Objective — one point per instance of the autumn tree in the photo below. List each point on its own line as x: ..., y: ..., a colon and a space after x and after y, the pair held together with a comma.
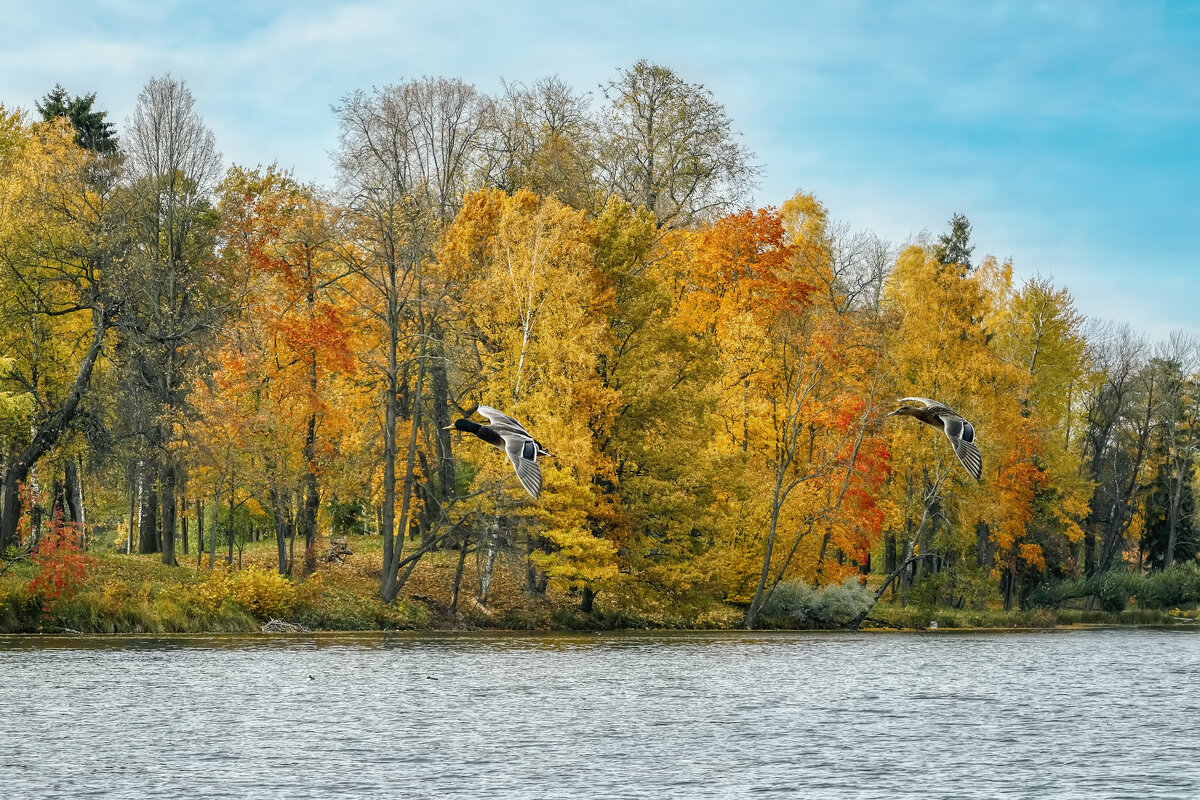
x: 533, y: 311
x: 669, y: 146
x: 944, y: 320
x: 405, y: 159
x: 1040, y: 333
x: 178, y: 297
x: 290, y: 337
x: 62, y: 249
x: 658, y: 484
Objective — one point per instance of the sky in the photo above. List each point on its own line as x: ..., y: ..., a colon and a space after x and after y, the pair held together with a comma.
x: 1068, y: 132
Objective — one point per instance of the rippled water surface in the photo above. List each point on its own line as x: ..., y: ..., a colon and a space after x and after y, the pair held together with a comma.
x: 1079, y: 714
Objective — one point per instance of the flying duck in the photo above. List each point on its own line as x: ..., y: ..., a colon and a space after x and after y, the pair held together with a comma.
x: 506, y: 433
x: 960, y: 432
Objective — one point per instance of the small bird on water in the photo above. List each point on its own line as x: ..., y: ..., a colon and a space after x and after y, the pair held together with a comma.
x: 506, y: 434
x: 960, y: 432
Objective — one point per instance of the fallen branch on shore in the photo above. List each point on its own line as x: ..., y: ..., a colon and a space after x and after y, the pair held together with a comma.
x: 279, y: 626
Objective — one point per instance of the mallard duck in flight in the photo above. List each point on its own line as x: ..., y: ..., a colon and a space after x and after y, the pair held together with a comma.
x: 960, y: 432
x: 508, y: 435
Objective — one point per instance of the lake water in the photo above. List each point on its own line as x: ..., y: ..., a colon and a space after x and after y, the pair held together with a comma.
x: 1060, y: 714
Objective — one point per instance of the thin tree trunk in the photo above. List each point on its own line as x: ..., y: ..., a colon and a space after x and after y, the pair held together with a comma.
x: 135, y: 504
x: 229, y: 530
x: 488, y: 563
x: 199, y: 531
x: 212, y: 544
x: 73, y: 497
x: 458, y: 573
x: 312, y: 498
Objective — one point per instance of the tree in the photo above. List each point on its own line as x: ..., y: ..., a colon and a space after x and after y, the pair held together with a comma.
x: 62, y: 248
x: 668, y: 146
x: 178, y: 296
x: 1118, y: 409
x: 91, y: 131
x: 405, y: 158
x: 954, y: 247
x: 941, y: 347
x: 799, y: 387
x: 533, y: 312
x: 541, y: 138
x: 290, y: 339
x: 1040, y: 333
x: 1178, y: 433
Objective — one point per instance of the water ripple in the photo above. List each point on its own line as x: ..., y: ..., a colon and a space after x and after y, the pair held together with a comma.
x: 1098, y: 714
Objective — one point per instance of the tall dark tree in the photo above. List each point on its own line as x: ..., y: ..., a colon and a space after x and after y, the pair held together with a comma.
x: 91, y: 131
x: 955, y: 247
x: 177, y: 295
x: 1159, y: 539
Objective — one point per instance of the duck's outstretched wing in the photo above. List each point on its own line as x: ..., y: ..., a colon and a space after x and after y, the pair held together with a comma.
x: 503, y: 423
x: 931, y: 405
x: 522, y: 452
x: 962, y: 438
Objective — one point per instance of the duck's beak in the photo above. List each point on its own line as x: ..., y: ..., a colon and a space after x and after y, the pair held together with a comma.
x: 448, y: 428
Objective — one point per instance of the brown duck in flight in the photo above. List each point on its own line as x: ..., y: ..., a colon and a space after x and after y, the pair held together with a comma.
x: 505, y: 433
x: 960, y: 432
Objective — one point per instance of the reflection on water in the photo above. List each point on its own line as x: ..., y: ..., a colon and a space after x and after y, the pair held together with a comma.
x: 1088, y: 714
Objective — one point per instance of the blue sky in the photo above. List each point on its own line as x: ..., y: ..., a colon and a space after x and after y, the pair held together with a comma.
x: 1069, y: 132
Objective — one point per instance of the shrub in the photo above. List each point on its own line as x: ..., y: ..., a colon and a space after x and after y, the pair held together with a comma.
x: 1113, y: 589
x: 213, y: 592
x: 264, y: 593
x: 61, y: 564
x: 796, y: 604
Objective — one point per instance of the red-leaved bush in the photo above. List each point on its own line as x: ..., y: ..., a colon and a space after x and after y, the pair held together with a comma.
x: 61, y: 563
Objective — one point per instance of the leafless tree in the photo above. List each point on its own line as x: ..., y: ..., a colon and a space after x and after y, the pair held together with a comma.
x: 542, y: 138
x: 406, y: 156
x: 669, y: 146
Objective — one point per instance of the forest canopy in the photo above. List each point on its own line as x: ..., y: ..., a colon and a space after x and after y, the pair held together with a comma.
x: 186, y: 343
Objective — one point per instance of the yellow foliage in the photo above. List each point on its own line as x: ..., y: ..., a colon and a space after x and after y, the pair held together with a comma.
x: 264, y: 593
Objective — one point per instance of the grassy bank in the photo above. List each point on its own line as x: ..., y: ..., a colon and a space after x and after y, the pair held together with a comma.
x: 112, y: 593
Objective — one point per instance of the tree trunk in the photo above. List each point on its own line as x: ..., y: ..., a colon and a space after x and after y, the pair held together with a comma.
x: 488, y: 564
x: 312, y: 499
x: 73, y: 496
x: 536, y: 581
x: 586, y: 601
x: 281, y: 503
x: 199, y: 531
x: 394, y: 539
x: 148, y: 532
x: 392, y: 547
x: 135, y: 503
x: 441, y: 416
x: 458, y: 573
x: 229, y: 530
x: 212, y: 544
x: 168, y: 515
